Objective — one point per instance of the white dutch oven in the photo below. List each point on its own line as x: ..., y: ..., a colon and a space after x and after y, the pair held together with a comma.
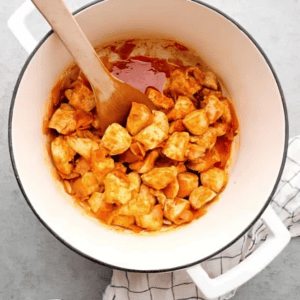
x: 237, y: 59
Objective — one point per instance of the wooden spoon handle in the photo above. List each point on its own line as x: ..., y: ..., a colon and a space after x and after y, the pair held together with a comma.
x: 63, y: 23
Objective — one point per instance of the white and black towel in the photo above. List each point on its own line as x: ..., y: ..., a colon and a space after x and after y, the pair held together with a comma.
x: 178, y: 285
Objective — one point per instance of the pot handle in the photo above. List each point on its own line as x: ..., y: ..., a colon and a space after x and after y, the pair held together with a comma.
x: 16, y: 23
x: 278, y: 238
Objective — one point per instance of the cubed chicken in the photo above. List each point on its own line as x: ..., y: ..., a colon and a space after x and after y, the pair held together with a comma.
x: 200, y: 196
x: 82, y: 146
x: 63, y: 120
x: 139, y: 117
x: 159, y: 100
x: 159, y: 178
x: 151, y: 136
x: 194, y: 151
x: 213, y: 107
x: 172, y: 189
x: 161, y: 120
x: 184, y: 84
x: 220, y: 128
x: 207, y: 140
x: 81, y: 97
x: 146, y: 165
x: 152, y: 221
x: 196, y: 122
x: 226, y: 116
x: 176, y: 146
x: 96, y: 200
x: 176, y: 126
x: 139, y: 206
x: 178, y: 211
x: 182, y: 108
x: 207, y: 79
x: 205, y: 162
x: 134, y: 181
x: 117, y: 189
x: 101, y: 165
x: 187, y: 183
x: 123, y: 221
x: 214, y: 179
x: 116, y: 139
x: 103, y: 210
x: 85, y: 185
x: 63, y: 155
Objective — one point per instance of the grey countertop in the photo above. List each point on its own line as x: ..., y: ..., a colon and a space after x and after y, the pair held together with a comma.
x: 35, y: 265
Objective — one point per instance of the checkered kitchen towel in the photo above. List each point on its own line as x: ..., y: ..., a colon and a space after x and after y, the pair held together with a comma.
x: 178, y: 285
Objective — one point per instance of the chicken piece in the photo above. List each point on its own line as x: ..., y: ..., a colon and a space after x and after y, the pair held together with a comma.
x: 180, y: 166
x: 87, y: 134
x: 184, y: 84
x: 205, y: 162
x: 146, y: 165
x: 187, y: 182
x: 138, y: 149
x: 176, y: 146
x: 139, y: 117
x: 139, y: 206
x: 159, y: 178
x: 101, y: 164
x: 82, y: 166
x: 213, y: 107
x: 96, y: 200
x: 207, y: 79
x: 160, y: 196
x: 151, y: 136
x: 117, y: 189
x: 226, y: 116
x: 146, y: 193
x: 63, y: 120
x: 176, y: 126
x: 207, y: 140
x: 123, y: 221
x: 159, y: 99
x: 104, y: 211
x: 84, y: 119
x: 62, y: 155
x: 220, y: 128
x: 116, y: 139
x: 207, y: 92
x: 85, y: 185
x: 152, y: 221
x: 129, y: 157
x: 194, y: 151
x: 196, y: 122
x: 175, y: 208
x: 214, y: 179
x: 134, y: 181
x: 120, y: 167
x: 81, y: 97
x: 82, y: 146
x: 161, y: 120
x: 200, y: 196
x: 172, y: 189
x: 182, y: 108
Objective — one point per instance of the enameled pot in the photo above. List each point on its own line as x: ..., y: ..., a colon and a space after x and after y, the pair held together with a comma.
x: 252, y: 83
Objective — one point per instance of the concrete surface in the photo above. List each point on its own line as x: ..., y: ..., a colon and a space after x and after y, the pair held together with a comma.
x: 34, y: 265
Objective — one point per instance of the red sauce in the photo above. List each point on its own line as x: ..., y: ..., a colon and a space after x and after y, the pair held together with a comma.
x: 142, y: 72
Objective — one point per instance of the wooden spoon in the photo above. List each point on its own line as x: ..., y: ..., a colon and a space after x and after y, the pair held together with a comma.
x: 113, y: 96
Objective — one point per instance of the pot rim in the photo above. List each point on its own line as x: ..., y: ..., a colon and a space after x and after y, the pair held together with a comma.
x: 11, y: 151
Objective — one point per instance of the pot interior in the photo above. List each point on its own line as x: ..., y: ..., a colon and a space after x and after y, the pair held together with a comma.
x: 232, y: 55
